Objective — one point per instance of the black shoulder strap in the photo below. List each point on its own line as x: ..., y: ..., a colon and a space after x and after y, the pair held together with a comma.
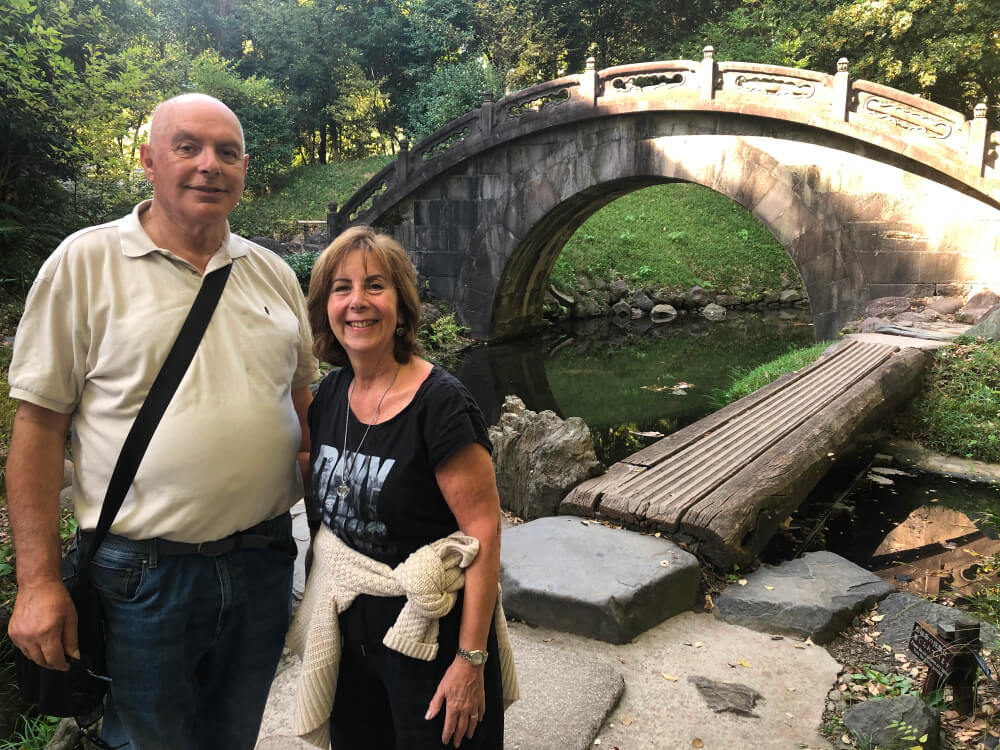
x: 160, y: 393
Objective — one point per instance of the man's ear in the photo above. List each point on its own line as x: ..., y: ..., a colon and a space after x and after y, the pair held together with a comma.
x: 146, y: 159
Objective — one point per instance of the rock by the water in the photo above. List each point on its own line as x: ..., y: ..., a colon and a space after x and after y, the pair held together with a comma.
x: 618, y: 289
x: 816, y: 595
x: 945, y: 305
x: 586, y: 307
x: 662, y: 313
x: 894, y: 722
x: 885, y: 306
x: 539, y: 458
x: 977, y: 307
x: 622, y: 309
x: 727, y: 696
x: 586, y: 578
x: 271, y: 244
x: 989, y: 327
x: 713, y: 311
x: 640, y: 300
x: 696, y: 298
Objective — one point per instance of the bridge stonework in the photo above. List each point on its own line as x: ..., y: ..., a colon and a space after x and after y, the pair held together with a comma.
x: 871, y: 191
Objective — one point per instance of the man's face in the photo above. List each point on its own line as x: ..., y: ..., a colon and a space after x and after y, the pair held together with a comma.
x: 195, y: 161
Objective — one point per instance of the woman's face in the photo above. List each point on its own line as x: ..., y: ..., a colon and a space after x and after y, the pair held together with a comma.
x: 362, y: 307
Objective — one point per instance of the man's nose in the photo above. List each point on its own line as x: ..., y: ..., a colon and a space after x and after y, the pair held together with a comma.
x: 208, y: 161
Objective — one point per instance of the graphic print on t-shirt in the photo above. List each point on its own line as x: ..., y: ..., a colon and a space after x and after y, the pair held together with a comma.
x: 355, y: 516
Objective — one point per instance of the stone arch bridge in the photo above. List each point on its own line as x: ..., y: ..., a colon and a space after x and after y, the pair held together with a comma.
x: 872, y: 192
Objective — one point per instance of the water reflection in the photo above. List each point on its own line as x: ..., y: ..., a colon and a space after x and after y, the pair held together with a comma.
x: 630, y: 381
x: 924, y: 534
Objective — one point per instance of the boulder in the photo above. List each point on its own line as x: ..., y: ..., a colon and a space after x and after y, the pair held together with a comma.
x: 894, y: 722
x: 584, y: 283
x: 640, y: 300
x: 978, y: 305
x: 618, y: 289
x: 637, y: 313
x: 713, y: 311
x: 539, y: 458
x: 696, y: 298
x: 945, y: 305
x: 989, y: 327
x: 621, y: 309
x: 662, y: 313
x: 429, y: 313
x: 883, y: 307
x: 271, y: 244
x: 951, y: 290
x: 728, y: 300
x: 586, y: 307
x: 789, y: 296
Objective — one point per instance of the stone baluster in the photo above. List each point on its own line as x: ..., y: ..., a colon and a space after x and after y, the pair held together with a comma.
x: 841, y: 90
x: 707, y: 73
x: 590, y: 83
x: 978, y: 137
x: 486, y: 115
x: 403, y: 162
x: 331, y: 219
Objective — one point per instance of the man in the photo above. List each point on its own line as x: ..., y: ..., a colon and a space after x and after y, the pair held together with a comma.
x: 195, y: 633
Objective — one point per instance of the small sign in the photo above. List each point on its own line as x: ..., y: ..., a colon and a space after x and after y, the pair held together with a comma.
x: 932, y: 649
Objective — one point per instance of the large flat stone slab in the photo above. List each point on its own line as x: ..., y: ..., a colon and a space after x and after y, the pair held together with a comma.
x: 586, y: 578
x: 565, y: 696
x: 900, y: 610
x: 816, y: 596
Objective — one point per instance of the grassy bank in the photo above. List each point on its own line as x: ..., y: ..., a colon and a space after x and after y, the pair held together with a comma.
x: 958, y: 409
x: 677, y: 235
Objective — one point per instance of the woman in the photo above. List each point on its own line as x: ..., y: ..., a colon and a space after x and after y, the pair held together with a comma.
x: 400, y: 461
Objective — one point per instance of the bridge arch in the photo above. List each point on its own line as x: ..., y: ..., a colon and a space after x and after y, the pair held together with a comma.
x: 871, y: 191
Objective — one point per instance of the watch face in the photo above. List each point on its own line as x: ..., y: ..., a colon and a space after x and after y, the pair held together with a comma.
x: 477, y: 657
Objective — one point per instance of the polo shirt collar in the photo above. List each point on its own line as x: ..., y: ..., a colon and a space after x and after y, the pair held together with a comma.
x: 136, y: 243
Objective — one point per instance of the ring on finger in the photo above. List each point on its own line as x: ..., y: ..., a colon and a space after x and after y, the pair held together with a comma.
x: 473, y: 717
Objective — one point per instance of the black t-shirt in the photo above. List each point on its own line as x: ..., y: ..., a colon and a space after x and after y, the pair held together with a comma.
x: 393, y: 504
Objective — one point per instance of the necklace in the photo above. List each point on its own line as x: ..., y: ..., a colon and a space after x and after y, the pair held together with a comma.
x: 348, y: 471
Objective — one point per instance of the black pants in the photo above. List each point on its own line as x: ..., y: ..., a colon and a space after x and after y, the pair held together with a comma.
x: 382, y: 695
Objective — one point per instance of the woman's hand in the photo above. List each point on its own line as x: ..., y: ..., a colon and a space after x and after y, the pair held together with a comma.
x: 462, y: 693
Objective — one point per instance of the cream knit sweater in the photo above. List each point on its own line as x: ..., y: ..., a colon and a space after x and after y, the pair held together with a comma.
x: 429, y: 578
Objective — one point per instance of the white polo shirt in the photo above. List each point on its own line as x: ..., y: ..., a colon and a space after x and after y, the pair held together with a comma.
x: 98, y: 323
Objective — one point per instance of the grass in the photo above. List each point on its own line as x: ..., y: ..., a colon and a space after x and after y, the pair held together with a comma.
x: 755, y: 379
x: 303, y: 197
x: 677, y: 235
x: 958, y: 408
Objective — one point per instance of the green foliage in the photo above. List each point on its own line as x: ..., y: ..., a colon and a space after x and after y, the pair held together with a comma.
x: 442, y: 335
x: 958, y: 408
x: 302, y: 263
x: 748, y: 381
x: 449, y: 92
x: 676, y: 235
x: 33, y: 734
x: 304, y: 195
x: 888, y: 685
x: 263, y: 111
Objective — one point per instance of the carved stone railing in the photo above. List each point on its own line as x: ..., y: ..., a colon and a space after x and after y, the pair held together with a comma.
x: 935, y: 136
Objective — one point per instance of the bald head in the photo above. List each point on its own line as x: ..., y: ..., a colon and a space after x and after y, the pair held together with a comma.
x: 166, y: 112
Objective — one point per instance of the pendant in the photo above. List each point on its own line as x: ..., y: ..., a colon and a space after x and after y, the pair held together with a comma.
x: 342, y: 490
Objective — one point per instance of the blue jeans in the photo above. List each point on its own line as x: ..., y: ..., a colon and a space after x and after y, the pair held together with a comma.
x: 193, y: 641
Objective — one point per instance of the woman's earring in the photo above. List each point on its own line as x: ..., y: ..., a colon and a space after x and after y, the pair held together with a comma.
x: 400, y: 331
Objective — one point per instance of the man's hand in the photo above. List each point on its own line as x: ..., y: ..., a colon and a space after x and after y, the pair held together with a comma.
x: 43, y: 624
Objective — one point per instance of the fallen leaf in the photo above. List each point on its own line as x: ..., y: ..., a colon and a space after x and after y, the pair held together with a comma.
x: 585, y: 523
x: 790, y: 689
x: 769, y: 588
x: 697, y: 644
x: 697, y: 743
x: 626, y: 721
x: 809, y: 640
x: 546, y: 640
x: 878, y: 618
x: 709, y: 604
x: 597, y: 741
x: 668, y: 677
x: 657, y: 534
x: 742, y: 582
x: 743, y: 663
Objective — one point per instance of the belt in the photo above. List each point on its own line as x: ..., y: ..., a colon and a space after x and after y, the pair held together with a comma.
x: 249, y: 539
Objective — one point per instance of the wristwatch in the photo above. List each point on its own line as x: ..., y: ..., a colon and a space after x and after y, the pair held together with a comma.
x: 476, y: 657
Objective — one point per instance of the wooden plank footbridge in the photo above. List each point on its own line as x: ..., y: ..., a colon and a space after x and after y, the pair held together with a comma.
x: 725, y: 483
